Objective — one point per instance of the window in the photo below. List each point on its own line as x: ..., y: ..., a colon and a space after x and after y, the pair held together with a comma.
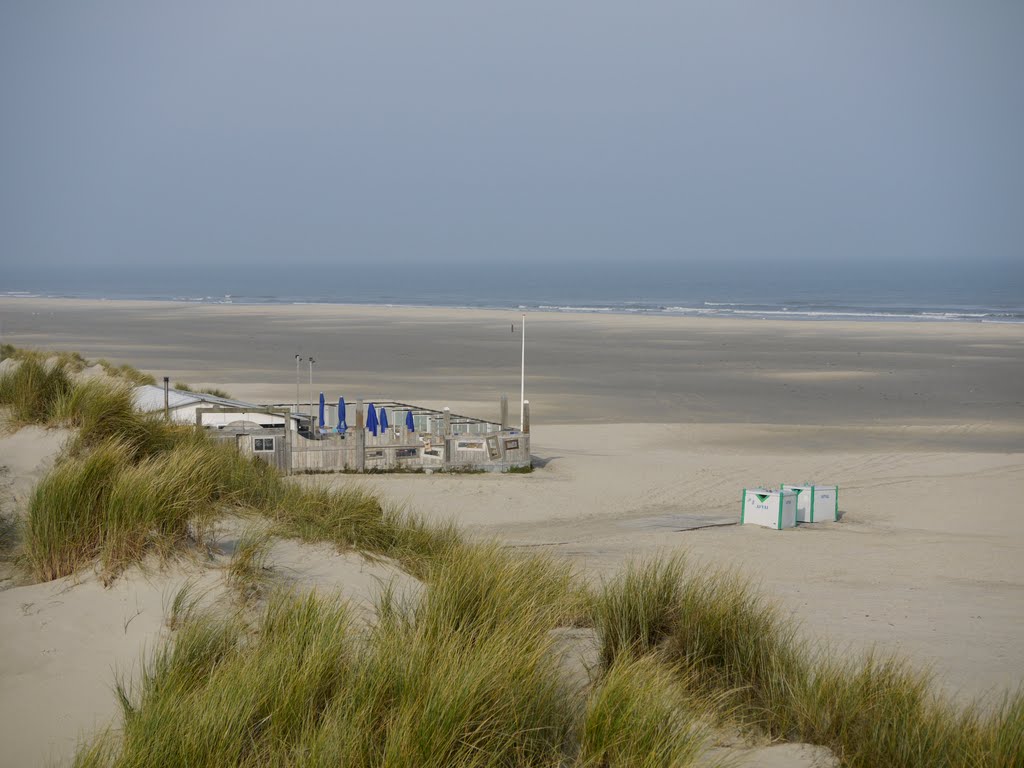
x: 492, y: 448
x: 406, y: 453
x: 263, y: 444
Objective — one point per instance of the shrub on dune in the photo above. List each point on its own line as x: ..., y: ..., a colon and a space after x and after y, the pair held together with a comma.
x: 636, y: 611
x: 881, y: 711
x: 722, y: 635
x: 730, y: 646
x: 352, y: 517
x: 220, y: 695
x: 424, y: 700
x: 32, y: 390
x: 103, y: 410
x: 302, y: 688
x: 637, y: 717
x: 475, y: 588
x: 1005, y: 732
x: 466, y: 676
x: 127, y: 372
x: 183, y: 387
x: 64, y: 528
x: 109, y: 502
x: 730, y: 639
x: 157, y: 502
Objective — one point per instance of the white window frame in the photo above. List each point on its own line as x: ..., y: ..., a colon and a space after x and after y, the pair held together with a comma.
x: 257, y: 441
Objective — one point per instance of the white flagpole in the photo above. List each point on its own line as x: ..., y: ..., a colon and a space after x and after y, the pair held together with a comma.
x: 522, y: 380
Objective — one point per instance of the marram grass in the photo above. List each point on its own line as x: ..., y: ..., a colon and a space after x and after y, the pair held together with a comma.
x: 127, y: 372
x: 727, y: 643
x: 637, y: 716
x: 109, y: 502
x: 66, y: 512
x: 32, y: 389
x: 464, y: 675
x: 636, y: 611
x: 216, y: 392
x: 248, y: 572
x: 353, y: 518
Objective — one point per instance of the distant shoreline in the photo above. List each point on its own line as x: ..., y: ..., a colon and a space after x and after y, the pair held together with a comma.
x: 792, y: 311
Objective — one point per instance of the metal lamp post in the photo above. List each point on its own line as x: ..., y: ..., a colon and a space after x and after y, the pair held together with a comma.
x: 311, y: 362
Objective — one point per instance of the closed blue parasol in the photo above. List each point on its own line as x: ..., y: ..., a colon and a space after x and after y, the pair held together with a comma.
x: 342, y: 424
x: 409, y: 423
x: 371, y: 419
x: 321, y: 410
x: 383, y: 420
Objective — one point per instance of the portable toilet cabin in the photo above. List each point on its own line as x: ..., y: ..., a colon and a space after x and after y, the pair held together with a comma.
x: 767, y: 507
x: 815, y: 503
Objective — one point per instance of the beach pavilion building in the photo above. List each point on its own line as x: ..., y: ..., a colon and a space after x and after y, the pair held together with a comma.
x: 420, y: 439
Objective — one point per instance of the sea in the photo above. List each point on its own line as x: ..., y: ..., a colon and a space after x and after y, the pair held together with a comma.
x: 867, y: 292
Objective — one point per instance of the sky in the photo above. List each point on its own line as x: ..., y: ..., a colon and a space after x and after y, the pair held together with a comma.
x: 255, y: 134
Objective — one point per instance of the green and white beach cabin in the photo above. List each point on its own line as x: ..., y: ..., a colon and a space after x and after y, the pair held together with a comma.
x: 815, y: 503
x: 768, y: 507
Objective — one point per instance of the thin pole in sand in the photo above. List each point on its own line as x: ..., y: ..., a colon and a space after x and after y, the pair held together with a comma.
x: 522, y: 380
x: 311, y: 361
x: 298, y: 359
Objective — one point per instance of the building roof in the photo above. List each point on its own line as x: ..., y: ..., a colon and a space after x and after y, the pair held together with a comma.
x: 150, y: 397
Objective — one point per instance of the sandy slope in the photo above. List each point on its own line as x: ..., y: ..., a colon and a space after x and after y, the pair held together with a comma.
x: 25, y: 455
x: 63, y: 643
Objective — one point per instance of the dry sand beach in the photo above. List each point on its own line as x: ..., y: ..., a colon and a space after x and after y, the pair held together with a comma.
x: 645, y: 432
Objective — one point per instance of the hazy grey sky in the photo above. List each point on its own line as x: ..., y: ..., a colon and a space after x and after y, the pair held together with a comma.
x: 244, y: 132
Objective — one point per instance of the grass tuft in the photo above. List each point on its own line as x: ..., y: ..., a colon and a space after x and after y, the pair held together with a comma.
x: 216, y: 392
x: 66, y: 511
x: 730, y: 639
x: 247, y: 572
x: 116, y: 502
x: 103, y: 410
x: 636, y: 611
x: 353, y: 518
x: 524, y: 470
x: 637, y: 716
x: 881, y: 711
x: 183, y: 606
x: 32, y: 390
x: 127, y: 372
x: 725, y: 639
